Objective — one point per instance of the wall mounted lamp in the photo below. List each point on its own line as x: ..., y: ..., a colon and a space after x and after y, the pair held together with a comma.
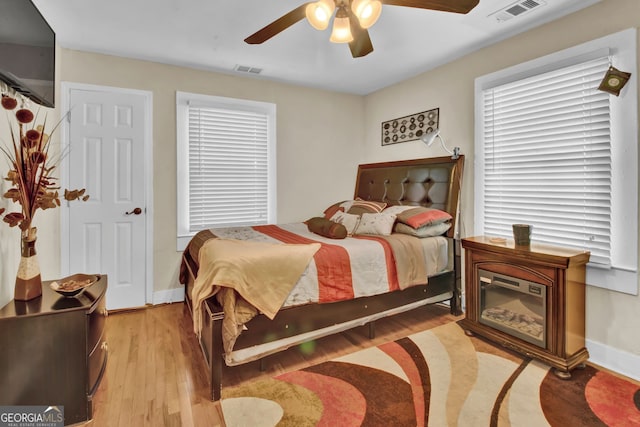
x: 429, y: 137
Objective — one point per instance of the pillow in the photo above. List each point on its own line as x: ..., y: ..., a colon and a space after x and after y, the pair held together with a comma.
x: 359, y: 206
x: 326, y: 228
x: 349, y: 221
x: 397, y: 209
x: 331, y: 210
x: 376, y: 223
x: 421, y: 216
x: 425, y: 231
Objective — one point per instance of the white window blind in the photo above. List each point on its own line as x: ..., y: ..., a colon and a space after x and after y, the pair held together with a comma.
x: 547, y: 158
x: 228, y: 167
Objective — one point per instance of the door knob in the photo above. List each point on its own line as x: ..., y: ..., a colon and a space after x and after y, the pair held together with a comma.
x: 136, y: 211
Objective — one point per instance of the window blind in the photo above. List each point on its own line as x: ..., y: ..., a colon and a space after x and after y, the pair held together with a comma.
x: 547, y: 158
x: 228, y: 167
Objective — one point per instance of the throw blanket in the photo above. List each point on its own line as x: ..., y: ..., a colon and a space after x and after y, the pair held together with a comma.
x: 263, y: 274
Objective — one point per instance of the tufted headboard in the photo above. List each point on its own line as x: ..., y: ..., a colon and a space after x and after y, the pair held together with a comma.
x: 434, y: 182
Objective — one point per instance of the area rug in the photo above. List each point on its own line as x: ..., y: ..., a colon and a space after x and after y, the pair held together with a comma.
x: 439, y: 377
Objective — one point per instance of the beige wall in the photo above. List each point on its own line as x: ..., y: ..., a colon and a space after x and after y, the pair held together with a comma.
x: 319, y: 136
x: 317, y: 131
x: 613, y: 318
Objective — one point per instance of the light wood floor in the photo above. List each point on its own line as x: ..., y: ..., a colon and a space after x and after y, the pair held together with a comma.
x: 156, y: 373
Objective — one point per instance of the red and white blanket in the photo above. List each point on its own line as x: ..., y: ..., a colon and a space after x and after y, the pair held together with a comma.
x: 340, y: 269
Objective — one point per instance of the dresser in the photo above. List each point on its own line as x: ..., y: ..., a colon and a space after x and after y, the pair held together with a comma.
x: 54, y: 350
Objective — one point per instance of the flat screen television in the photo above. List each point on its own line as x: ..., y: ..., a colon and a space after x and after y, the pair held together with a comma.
x: 27, y: 51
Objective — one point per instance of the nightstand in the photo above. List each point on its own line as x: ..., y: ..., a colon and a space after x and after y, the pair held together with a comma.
x: 54, y: 350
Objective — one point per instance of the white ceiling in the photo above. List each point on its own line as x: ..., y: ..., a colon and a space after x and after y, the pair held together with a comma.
x: 209, y: 34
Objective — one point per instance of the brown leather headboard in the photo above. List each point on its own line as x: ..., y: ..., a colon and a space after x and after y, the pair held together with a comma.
x: 434, y: 182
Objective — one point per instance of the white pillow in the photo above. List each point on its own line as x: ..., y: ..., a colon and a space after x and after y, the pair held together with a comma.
x: 376, y: 223
x: 349, y: 221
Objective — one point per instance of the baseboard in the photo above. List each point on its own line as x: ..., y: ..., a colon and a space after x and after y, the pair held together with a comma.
x: 622, y: 362
x: 168, y: 296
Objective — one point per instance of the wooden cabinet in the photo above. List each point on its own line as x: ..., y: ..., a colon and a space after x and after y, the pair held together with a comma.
x: 54, y: 350
x: 560, y: 271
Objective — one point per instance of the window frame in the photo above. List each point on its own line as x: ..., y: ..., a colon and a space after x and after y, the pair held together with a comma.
x: 622, y: 276
x: 183, y: 99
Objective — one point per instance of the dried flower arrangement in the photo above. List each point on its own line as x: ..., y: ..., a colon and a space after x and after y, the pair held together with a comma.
x: 34, y: 186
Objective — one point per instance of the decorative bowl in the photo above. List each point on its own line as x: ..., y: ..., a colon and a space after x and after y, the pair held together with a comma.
x: 73, y: 285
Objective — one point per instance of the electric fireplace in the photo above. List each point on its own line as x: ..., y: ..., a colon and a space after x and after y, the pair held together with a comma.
x: 530, y: 299
x: 514, y: 306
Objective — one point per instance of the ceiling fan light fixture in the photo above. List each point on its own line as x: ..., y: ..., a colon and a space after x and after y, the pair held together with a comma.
x: 319, y: 13
x: 341, y: 32
x: 367, y: 11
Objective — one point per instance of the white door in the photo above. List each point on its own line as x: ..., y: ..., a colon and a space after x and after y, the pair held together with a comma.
x: 106, y: 137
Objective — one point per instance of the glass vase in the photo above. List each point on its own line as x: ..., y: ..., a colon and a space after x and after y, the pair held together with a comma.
x: 28, y: 281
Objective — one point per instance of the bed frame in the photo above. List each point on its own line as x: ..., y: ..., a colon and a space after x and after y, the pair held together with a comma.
x: 431, y: 182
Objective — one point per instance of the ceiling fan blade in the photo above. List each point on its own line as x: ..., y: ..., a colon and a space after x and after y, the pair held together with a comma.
x: 456, y: 6
x: 361, y: 44
x: 277, y: 26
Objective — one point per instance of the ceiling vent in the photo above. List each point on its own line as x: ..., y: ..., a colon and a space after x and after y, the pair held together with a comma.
x: 247, y: 69
x: 518, y: 8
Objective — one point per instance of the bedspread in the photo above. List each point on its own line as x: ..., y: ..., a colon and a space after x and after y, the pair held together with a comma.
x: 339, y: 270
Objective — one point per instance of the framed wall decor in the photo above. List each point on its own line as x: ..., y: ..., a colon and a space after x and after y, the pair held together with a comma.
x: 409, y: 128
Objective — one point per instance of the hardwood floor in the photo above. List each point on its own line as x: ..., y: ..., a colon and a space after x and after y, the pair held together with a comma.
x: 156, y: 372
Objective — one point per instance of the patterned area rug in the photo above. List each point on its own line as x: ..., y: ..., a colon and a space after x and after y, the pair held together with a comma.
x: 439, y: 377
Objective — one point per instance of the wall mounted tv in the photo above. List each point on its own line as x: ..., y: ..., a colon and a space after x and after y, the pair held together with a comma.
x: 27, y: 51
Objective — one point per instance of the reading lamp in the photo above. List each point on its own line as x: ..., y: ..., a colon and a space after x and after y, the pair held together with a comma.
x: 429, y: 137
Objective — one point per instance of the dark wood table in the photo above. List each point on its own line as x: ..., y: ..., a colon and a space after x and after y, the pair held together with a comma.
x: 54, y: 350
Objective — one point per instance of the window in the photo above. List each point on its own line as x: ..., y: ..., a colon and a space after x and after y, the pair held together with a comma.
x: 554, y: 152
x: 547, y: 158
x: 226, y: 163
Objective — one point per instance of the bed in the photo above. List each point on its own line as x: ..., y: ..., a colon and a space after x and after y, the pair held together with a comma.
x: 252, y: 328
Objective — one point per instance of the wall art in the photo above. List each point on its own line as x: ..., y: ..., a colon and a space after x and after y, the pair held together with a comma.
x: 409, y: 128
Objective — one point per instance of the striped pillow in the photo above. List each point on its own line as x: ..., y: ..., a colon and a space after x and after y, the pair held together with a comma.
x: 331, y: 210
x: 359, y: 206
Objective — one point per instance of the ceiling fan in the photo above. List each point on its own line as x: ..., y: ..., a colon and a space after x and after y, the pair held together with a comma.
x: 352, y: 19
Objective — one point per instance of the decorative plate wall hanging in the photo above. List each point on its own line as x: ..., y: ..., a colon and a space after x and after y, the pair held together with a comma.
x: 409, y: 128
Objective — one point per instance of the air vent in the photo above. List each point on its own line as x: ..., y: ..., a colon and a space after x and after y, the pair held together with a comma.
x: 518, y: 8
x: 247, y: 69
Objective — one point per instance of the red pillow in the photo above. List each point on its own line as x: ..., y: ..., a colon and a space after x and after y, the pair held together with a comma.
x: 421, y: 216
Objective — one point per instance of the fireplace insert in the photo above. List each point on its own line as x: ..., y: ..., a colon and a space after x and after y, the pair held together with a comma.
x: 514, y: 306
